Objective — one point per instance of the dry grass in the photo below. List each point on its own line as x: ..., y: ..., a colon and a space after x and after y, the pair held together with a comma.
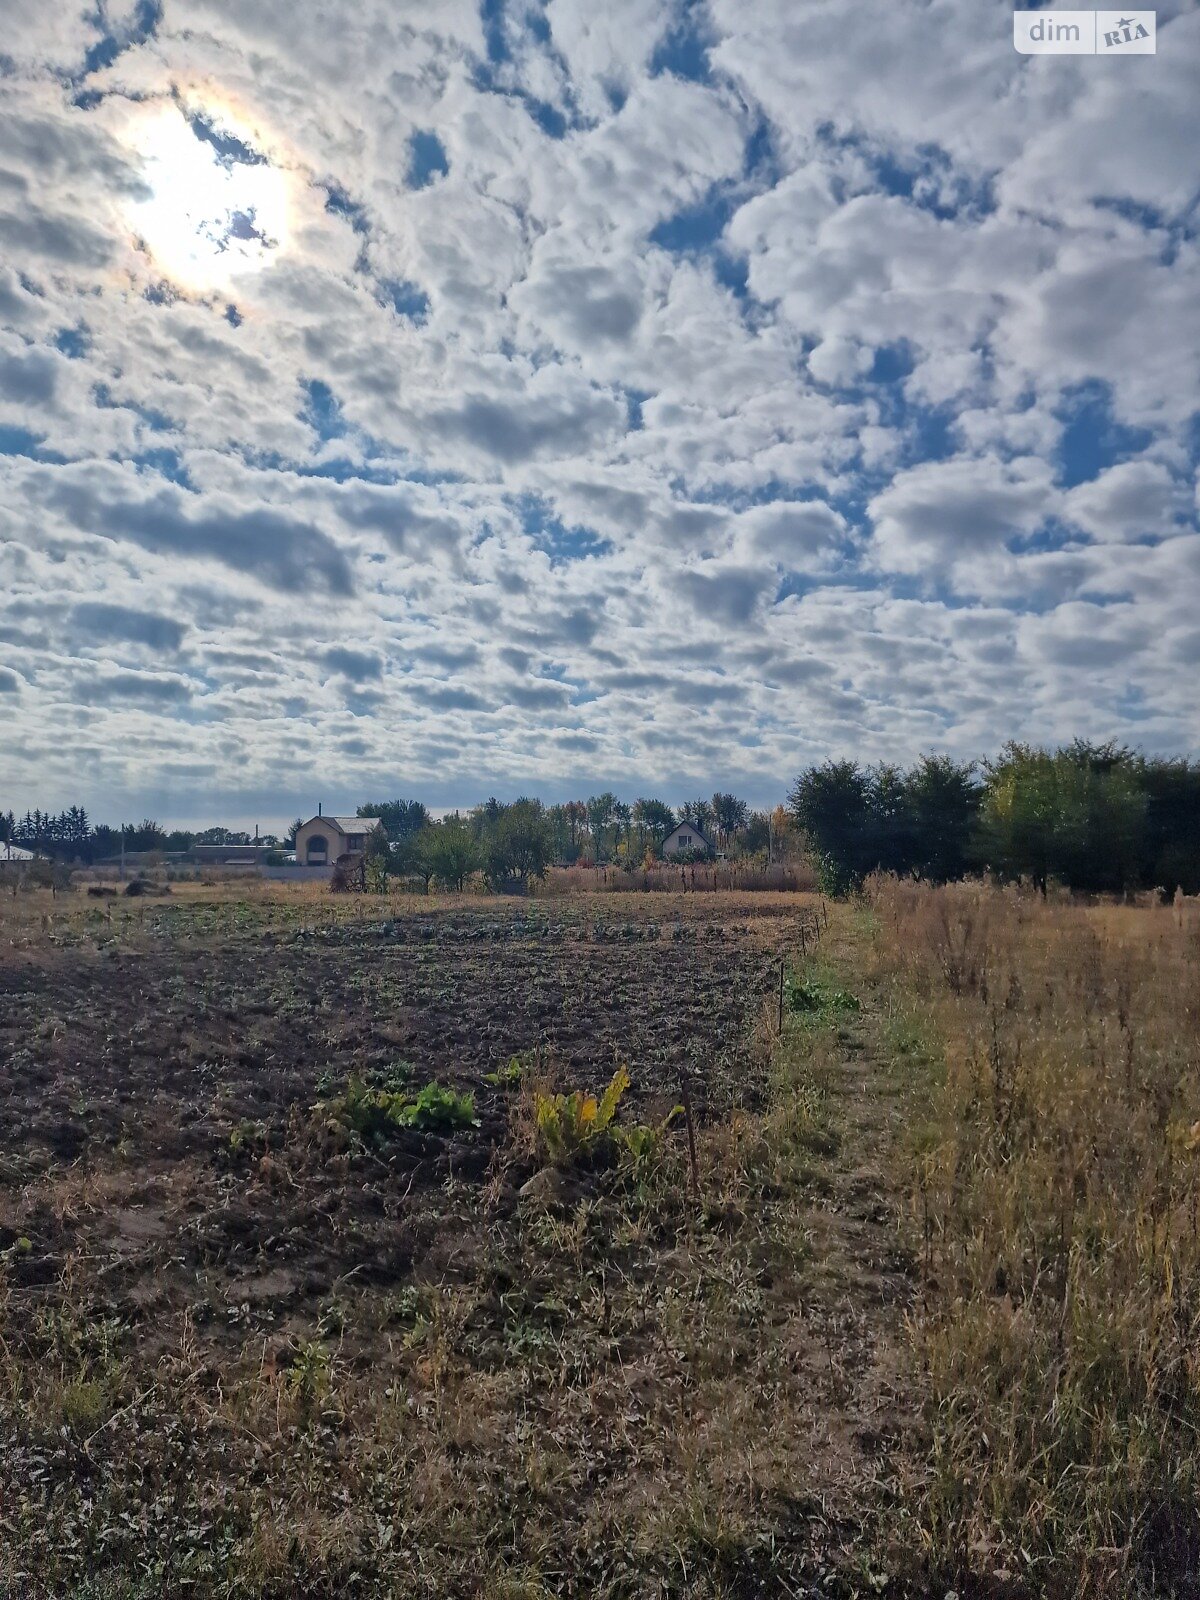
x: 797, y: 877
x: 1057, y: 1192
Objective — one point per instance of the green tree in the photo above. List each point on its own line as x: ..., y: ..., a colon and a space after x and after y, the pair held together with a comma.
x: 656, y: 817
x: 1171, y: 839
x: 942, y: 801
x: 699, y: 814
x: 449, y: 852
x: 886, y: 844
x: 1077, y: 814
x: 831, y: 805
x: 600, y: 809
x: 401, y: 819
x: 729, y: 816
x: 517, y: 846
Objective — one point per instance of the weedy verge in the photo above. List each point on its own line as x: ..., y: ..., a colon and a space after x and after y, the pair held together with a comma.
x: 1055, y: 1175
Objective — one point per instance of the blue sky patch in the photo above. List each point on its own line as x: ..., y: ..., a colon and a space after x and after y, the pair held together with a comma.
x: 405, y: 299
x: 1093, y: 439
x: 427, y: 159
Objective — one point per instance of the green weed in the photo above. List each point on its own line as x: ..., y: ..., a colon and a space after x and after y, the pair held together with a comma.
x: 806, y: 995
x: 575, y: 1128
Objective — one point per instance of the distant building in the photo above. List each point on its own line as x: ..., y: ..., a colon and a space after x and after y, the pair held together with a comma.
x: 11, y: 855
x: 230, y: 855
x: 321, y: 841
x: 684, y: 838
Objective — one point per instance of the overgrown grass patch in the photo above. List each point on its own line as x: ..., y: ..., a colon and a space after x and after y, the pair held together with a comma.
x: 1056, y: 1182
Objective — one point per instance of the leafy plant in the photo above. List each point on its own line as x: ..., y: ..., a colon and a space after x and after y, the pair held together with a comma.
x: 510, y: 1073
x: 375, y: 1113
x: 641, y: 1142
x: 308, y: 1376
x: 436, y: 1107
x: 575, y: 1127
x: 809, y: 996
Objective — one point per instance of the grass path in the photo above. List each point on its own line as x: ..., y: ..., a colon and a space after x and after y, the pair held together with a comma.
x: 864, y: 1411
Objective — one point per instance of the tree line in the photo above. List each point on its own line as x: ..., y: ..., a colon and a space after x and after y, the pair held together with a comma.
x: 512, y: 843
x: 1094, y: 817
x: 1099, y: 818
x: 507, y: 842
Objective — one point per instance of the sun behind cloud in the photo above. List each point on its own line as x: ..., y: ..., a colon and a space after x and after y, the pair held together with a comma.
x: 211, y: 215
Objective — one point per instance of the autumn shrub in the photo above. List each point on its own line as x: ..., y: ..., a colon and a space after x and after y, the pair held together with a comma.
x: 577, y: 1127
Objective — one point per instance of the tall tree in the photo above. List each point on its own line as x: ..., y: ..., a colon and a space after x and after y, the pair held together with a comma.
x: 517, y: 845
x: 942, y: 798
x: 729, y: 816
x: 655, y: 816
x: 400, y: 818
x: 600, y: 815
x: 449, y: 852
x: 830, y: 804
x: 698, y: 813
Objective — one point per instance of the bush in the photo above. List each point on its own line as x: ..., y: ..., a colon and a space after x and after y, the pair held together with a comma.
x: 809, y: 996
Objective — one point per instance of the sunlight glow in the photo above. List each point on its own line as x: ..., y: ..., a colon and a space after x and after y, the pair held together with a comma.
x: 209, y: 218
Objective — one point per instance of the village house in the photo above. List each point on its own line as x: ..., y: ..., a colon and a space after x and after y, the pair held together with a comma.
x: 11, y: 855
x: 322, y: 840
x: 686, y: 837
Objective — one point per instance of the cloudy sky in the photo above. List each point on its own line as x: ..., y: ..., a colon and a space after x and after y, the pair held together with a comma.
x: 451, y: 399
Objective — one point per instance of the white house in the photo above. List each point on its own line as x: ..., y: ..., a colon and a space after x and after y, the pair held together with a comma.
x: 11, y: 855
x: 685, y: 837
x: 323, y: 840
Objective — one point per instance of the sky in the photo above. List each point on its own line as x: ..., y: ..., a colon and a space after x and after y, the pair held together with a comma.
x: 465, y: 399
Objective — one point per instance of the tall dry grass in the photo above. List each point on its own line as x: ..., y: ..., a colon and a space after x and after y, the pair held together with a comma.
x: 1057, y: 1192
x: 701, y: 877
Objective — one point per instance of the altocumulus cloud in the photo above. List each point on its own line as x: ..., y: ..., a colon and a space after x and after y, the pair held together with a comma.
x: 817, y: 372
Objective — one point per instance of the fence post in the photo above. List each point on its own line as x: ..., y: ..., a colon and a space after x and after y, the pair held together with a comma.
x: 686, y: 1095
x: 780, y: 1028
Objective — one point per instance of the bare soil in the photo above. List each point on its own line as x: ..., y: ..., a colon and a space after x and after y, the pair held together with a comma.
x: 240, y: 1358
x: 133, y: 1067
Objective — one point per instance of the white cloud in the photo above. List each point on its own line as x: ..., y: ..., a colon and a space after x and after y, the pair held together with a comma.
x: 1130, y: 501
x: 942, y: 515
x: 477, y: 482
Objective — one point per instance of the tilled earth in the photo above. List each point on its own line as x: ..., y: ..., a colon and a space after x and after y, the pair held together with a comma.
x: 158, y: 1082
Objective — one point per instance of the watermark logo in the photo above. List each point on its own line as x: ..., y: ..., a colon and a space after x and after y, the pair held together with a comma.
x: 1084, y: 33
x: 1130, y: 34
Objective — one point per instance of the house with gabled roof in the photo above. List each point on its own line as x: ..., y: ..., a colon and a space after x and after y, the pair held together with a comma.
x: 322, y: 841
x: 684, y: 839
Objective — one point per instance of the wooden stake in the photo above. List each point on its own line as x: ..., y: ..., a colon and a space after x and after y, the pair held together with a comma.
x: 685, y: 1094
x: 780, y: 1028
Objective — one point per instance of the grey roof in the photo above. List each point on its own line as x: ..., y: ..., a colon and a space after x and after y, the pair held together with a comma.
x: 349, y: 824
